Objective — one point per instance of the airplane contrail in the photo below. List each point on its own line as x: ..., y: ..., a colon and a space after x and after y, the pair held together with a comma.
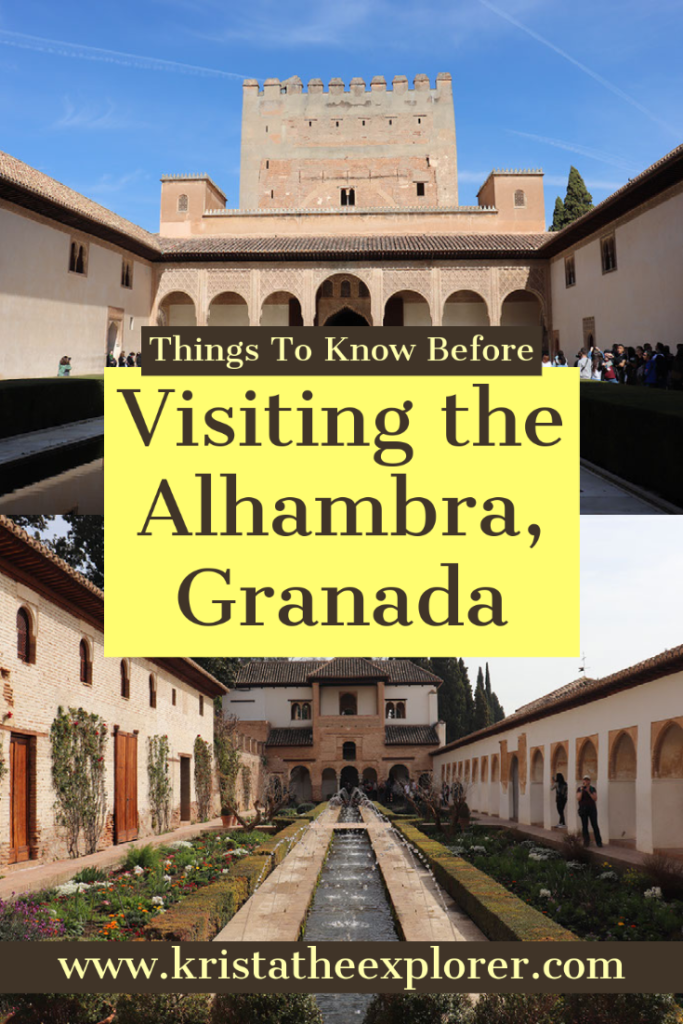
x: 582, y: 67
x: 22, y: 41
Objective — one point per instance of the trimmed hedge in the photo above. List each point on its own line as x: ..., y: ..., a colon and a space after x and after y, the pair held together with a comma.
x: 199, y: 917
x: 500, y: 914
x: 36, y: 404
x: 636, y: 433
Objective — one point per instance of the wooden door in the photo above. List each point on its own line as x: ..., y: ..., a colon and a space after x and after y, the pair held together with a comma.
x: 185, y: 795
x: 20, y: 813
x: 126, y: 787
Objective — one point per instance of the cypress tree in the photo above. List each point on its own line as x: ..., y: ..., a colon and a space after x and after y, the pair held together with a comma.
x: 469, y: 697
x: 480, y: 717
x: 578, y: 199
x: 559, y: 216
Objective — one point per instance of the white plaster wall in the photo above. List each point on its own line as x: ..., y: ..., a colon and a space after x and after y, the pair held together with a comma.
x: 465, y: 314
x: 47, y: 312
x: 642, y: 300
x: 419, y: 709
x: 275, y: 315
x: 268, y: 703
x: 366, y: 697
x: 658, y: 803
x: 228, y: 315
x: 34, y: 692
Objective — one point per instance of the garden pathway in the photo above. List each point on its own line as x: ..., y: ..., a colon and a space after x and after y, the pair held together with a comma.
x: 620, y: 856
x: 31, y: 876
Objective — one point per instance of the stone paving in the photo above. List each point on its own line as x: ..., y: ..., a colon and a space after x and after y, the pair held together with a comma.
x: 30, y: 876
x: 277, y: 910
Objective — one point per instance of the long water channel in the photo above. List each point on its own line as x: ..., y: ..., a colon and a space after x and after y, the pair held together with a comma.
x: 350, y: 904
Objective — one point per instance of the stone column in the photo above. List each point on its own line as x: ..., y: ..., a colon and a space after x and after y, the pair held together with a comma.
x: 308, y: 307
x: 202, y: 310
x: 437, y: 304
x: 254, y: 298
x: 377, y: 297
x: 494, y: 304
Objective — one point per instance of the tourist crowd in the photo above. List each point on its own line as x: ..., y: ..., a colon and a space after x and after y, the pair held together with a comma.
x: 643, y: 365
x: 132, y: 359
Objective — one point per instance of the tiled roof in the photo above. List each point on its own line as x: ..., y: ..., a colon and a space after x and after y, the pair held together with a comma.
x: 302, y: 737
x: 355, y: 247
x: 36, y: 191
x: 418, y: 735
x: 35, y: 562
x: 349, y: 668
x: 301, y: 673
x: 656, y: 178
x: 581, y: 691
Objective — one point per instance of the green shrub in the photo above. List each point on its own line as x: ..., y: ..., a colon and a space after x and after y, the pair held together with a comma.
x: 164, y: 1009
x: 148, y: 857
x: 303, y: 808
x: 294, y: 1008
x: 667, y: 873
x: 199, y: 917
x: 90, y: 875
x: 418, y: 1008
x: 626, y: 1008
x: 541, y: 1008
x: 61, y: 1008
x: 38, y: 403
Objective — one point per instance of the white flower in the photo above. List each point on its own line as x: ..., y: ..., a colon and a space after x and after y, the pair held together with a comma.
x: 575, y: 864
x: 477, y: 849
x: 188, y: 868
x: 545, y: 894
x: 225, y: 871
x: 70, y: 888
x: 137, y: 870
x: 538, y: 855
x: 611, y: 876
x: 655, y: 893
x: 102, y: 885
x: 180, y: 844
x: 157, y: 901
x: 167, y: 879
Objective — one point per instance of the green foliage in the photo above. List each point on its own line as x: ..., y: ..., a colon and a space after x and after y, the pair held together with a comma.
x: 559, y: 216
x: 294, y: 1008
x: 304, y: 808
x: 600, y: 1008
x: 418, y: 1008
x: 481, y: 716
x: 61, y: 1008
x: 578, y: 199
x: 228, y: 762
x: 78, y: 741
x: 495, y: 1008
x: 160, y: 786
x: 203, y: 777
x: 164, y: 1009
x: 147, y: 857
x: 90, y: 875
x: 83, y: 546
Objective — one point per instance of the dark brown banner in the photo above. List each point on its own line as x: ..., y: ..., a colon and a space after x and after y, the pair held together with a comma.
x: 340, y: 967
x: 335, y: 351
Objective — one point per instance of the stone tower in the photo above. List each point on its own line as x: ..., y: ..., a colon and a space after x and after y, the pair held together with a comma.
x: 362, y: 147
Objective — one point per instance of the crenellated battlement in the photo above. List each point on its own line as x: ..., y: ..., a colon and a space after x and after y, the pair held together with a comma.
x: 294, y: 86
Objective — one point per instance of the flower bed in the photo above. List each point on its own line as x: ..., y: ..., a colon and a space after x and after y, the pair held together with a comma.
x: 594, y: 902
x: 150, y: 881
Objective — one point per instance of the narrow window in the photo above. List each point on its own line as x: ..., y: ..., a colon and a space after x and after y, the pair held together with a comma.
x: 363, y: 292
x: 310, y: 124
x: 272, y: 194
x: 126, y: 274
x: 389, y: 711
x: 336, y: 124
x: 390, y: 121
x: 86, y: 663
x: 182, y: 204
x: 26, y: 645
x: 345, y: 290
x: 80, y: 262
x: 73, y: 254
x: 420, y: 188
x: 173, y: 697
x: 267, y: 164
x: 125, y: 681
x: 296, y: 712
x: 266, y: 128
x: 419, y: 120
x: 201, y: 703
x: 349, y: 751
x: 152, y: 692
x: 327, y: 290
x: 363, y: 123
x: 348, y: 197
x: 609, y: 254
x: 347, y: 704
x: 400, y: 710
x: 306, y: 711
x: 520, y: 198
x: 569, y: 272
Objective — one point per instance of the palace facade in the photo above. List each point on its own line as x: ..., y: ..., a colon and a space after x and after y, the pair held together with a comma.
x: 348, y: 214
x: 625, y: 731
x: 338, y: 722
x: 52, y: 656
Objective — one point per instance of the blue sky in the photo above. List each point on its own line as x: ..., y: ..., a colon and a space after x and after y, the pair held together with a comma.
x: 107, y: 97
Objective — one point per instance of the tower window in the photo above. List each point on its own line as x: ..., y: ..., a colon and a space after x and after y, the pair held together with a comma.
x: 520, y: 198
x: 126, y: 274
x: 272, y: 194
x: 310, y: 124
x: 125, y: 681
x: 86, y: 663
x: 363, y: 123
x: 609, y: 254
x: 152, y: 692
x: 26, y: 641
x: 336, y: 124
x: 349, y: 751
x: 201, y: 704
x: 420, y: 188
x: 78, y: 258
x: 267, y: 164
x: 348, y: 197
x: 182, y: 204
x: 419, y: 120
x: 174, y: 699
x: 569, y: 272
x: 390, y: 121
